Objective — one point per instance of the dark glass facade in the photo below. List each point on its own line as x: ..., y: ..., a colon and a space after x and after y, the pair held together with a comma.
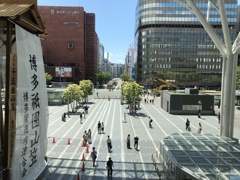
x: 171, y: 44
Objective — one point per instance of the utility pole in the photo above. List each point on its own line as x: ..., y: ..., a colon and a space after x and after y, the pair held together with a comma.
x: 6, y: 149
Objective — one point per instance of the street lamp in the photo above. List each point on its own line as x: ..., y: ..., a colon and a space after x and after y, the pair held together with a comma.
x: 199, y: 110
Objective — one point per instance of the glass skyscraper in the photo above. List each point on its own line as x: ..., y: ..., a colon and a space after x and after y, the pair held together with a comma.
x: 171, y: 44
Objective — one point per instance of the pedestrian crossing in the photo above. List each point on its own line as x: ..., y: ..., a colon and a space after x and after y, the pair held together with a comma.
x: 65, y: 159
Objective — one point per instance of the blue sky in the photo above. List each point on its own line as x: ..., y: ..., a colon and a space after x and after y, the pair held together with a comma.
x: 115, y: 21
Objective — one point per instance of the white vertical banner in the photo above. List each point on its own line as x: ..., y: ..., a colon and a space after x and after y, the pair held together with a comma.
x: 32, y: 109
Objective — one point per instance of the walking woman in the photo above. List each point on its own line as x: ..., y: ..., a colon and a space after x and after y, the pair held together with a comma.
x: 128, y: 142
x: 89, y: 136
x: 102, y: 127
x: 199, y: 128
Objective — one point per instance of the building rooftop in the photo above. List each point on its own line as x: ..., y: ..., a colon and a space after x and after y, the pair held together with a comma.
x: 203, y: 156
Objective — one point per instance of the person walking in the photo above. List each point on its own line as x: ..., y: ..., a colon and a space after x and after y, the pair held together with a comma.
x: 188, y: 125
x: 85, y: 138
x: 125, y: 117
x: 109, y: 167
x: 219, y: 118
x: 136, y: 142
x: 102, y: 128
x: 64, y: 117
x: 199, y: 128
x: 86, y: 109
x: 94, y: 156
x: 81, y: 118
x: 89, y: 136
x: 99, y: 127
x: 199, y: 113
x: 150, y: 122
x: 109, y: 144
x: 128, y: 141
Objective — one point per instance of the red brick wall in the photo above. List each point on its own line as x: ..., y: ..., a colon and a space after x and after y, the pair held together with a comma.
x: 91, y: 45
x: 55, y: 47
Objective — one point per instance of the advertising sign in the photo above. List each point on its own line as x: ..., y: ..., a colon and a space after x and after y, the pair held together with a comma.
x: 63, y: 71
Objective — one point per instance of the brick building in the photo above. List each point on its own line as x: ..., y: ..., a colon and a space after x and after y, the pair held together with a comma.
x: 71, y: 49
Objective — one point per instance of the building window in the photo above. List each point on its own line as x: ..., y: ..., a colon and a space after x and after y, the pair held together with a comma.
x: 70, y: 45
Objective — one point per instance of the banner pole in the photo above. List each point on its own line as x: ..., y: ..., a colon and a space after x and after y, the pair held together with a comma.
x: 7, y: 99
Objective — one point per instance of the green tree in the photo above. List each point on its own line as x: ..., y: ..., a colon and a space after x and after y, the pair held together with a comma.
x: 125, y: 77
x: 103, y: 77
x: 72, y: 94
x: 238, y: 78
x: 87, y: 88
x: 131, y: 92
x: 48, y: 78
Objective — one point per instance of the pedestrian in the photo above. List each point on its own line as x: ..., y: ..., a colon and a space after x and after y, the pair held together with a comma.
x: 109, y: 144
x: 99, y: 127
x: 153, y: 100
x: 199, y: 128
x: 81, y: 118
x: 188, y: 125
x: 84, y: 113
x: 150, y: 122
x: 94, y: 156
x: 109, y: 167
x: 219, y: 118
x: 89, y: 134
x: 199, y: 113
x: 128, y: 141
x: 97, y: 94
x: 85, y: 138
x: 86, y: 109
x: 64, y: 117
x: 136, y: 142
x: 125, y: 117
x: 102, y: 127
x: 145, y: 100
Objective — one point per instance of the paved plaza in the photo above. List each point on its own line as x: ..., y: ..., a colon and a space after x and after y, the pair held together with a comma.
x: 65, y: 149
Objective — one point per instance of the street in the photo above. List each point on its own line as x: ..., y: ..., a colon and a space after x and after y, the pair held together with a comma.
x: 65, y: 150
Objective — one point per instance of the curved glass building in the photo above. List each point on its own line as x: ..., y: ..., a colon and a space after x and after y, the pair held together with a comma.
x: 171, y: 44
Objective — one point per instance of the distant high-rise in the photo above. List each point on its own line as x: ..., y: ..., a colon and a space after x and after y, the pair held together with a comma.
x: 171, y: 44
x: 101, y: 57
x: 129, y: 63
